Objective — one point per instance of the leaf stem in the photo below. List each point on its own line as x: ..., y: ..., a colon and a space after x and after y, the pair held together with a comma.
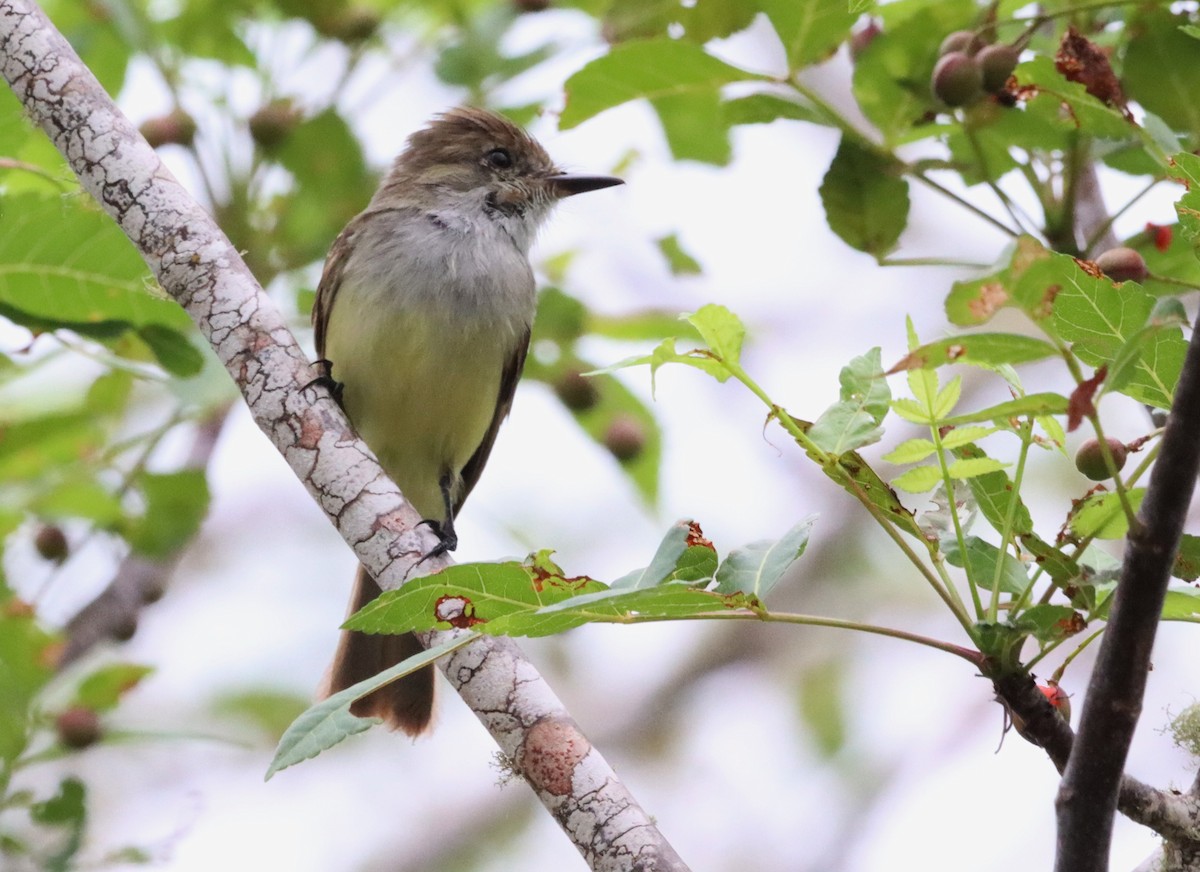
x: 1009, y: 517
x: 966, y: 204
x: 971, y: 656
x: 946, y: 591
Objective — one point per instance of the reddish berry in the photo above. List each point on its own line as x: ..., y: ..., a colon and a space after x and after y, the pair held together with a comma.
x: 997, y: 63
x: 625, y: 438
x: 957, y: 79
x: 1089, y: 459
x: 51, y: 543
x: 78, y: 727
x: 1123, y: 265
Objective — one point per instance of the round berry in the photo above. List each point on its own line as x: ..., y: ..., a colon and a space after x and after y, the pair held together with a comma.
x: 1123, y: 265
x: 625, y: 438
x: 51, y: 543
x: 1089, y: 459
x: 957, y: 79
x: 576, y: 391
x: 997, y: 63
x: 271, y: 124
x: 78, y: 727
x: 174, y: 128
x: 960, y: 40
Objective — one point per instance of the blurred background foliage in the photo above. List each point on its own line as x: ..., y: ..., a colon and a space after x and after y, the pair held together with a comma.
x: 111, y: 405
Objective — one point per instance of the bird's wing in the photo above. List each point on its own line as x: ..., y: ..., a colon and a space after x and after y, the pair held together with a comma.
x: 331, y: 280
x: 504, y: 400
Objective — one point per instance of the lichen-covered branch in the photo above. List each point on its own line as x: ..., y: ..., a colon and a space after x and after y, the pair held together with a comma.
x: 196, y: 264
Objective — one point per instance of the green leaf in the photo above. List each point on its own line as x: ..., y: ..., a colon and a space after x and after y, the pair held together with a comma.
x: 987, y: 349
x: 1186, y: 167
x: 488, y: 597
x: 329, y: 722
x: 665, y: 559
x: 1181, y: 604
x: 975, y: 302
x: 1187, y: 560
x: 1050, y: 623
x: 910, y: 410
x: 665, y: 353
x: 79, y: 498
x: 694, y: 124
x: 84, y: 276
x: 26, y: 655
x: 919, y: 479
x: 854, y: 420
x: 722, y: 330
x: 980, y: 561
x: 1160, y: 70
x: 823, y: 704
x: 678, y: 260
x: 960, y: 436
x: 854, y: 475
x: 64, y: 809
x: 910, y: 451
x: 1031, y: 404
x: 994, y: 492
x: 644, y: 69
x: 756, y: 568
x: 810, y: 31
x: 103, y: 688
x: 270, y: 710
x: 1083, y: 111
x: 646, y: 325
x: 765, y: 108
x: 865, y: 198
x: 1103, y: 321
x: 947, y: 399
x: 34, y: 447
x: 1102, y: 516
x: 714, y: 19
x: 176, y: 503
x: 673, y: 600
x: 173, y: 350
x: 332, y: 184
x: 974, y: 467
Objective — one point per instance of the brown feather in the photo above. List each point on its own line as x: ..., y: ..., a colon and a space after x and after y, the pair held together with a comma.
x: 405, y: 704
x: 504, y: 400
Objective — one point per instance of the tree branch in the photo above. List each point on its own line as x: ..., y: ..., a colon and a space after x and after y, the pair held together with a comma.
x: 139, y: 580
x: 1087, y: 795
x: 196, y: 264
x: 1174, y: 816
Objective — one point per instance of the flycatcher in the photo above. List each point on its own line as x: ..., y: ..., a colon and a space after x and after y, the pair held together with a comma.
x: 422, y: 321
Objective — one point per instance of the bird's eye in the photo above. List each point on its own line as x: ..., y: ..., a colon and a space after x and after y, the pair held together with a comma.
x: 499, y: 158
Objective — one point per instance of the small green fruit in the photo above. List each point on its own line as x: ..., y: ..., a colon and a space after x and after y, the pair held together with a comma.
x: 957, y: 79
x: 1123, y: 265
x: 997, y: 63
x: 1089, y: 459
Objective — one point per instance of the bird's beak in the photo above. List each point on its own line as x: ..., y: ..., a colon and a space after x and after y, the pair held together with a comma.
x: 565, y: 185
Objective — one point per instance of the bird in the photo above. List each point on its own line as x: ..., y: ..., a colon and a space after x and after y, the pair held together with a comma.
x: 422, y: 322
